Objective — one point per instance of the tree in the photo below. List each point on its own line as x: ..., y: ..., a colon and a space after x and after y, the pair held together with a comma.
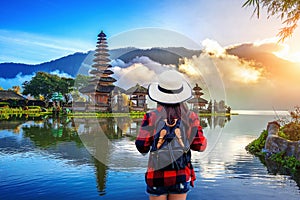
x: 288, y: 11
x: 46, y: 84
x: 81, y: 81
x: 77, y: 97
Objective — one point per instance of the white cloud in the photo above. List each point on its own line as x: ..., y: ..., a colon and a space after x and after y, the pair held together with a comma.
x: 141, y: 70
x: 214, y: 61
x: 213, y: 47
x: 17, y: 81
x: 228, y: 77
x: 61, y: 74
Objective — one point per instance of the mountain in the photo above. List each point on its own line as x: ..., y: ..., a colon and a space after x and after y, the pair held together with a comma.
x: 69, y: 64
x: 275, y: 68
x: 161, y: 55
x: 81, y: 62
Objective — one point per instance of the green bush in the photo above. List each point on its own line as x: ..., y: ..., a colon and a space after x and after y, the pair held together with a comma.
x: 290, y: 126
x: 4, y: 104
x: 288, y: 162
x: 256, y: 146
x: 291, y: 131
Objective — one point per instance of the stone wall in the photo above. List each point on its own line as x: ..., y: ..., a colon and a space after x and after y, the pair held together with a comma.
x: 276, y: 144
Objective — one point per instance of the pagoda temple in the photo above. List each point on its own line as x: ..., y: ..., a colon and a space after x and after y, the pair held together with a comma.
x: 198, y: 103
x: 101, y: 88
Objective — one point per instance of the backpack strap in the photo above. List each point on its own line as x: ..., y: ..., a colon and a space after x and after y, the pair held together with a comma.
x: 163, y: 132
x: 178, y: 136
x: 161, y: 139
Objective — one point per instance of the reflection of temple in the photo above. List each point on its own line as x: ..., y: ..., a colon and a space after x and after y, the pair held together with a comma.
x: 101, y: 171
x: 214, y: 121
x: 198, y: 103
x: 101, y: 86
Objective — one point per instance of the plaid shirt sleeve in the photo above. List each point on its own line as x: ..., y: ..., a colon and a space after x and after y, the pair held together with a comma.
x: 145, y: 136
x: 199, y: 141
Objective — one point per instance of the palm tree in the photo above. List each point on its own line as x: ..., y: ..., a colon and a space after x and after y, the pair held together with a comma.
x: 288, y: 11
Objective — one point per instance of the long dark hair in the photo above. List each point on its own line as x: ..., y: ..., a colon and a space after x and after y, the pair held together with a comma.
x: 174, y: 111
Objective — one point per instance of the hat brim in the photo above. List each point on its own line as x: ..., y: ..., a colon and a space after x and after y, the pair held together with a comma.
x: 169, y: 98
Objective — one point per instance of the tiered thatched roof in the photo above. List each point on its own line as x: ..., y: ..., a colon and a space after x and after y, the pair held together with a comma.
x: 9, y: 94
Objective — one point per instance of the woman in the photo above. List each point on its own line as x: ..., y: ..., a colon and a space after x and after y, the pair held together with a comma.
x: 169, y: 128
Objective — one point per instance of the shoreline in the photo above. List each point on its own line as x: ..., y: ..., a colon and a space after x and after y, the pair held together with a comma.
x: 133, y: 114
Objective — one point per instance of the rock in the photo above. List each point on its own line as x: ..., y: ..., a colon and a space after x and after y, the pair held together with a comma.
x: 276, y: 144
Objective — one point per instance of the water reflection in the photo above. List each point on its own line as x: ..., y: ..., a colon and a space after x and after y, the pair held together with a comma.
x: 215, y: 121
x: 107, y: 143
x: 49, y: 132
x: 107, y: 146
x: 101, y: 174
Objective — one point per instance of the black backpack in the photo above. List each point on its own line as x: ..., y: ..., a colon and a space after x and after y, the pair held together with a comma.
x: 170, y: 148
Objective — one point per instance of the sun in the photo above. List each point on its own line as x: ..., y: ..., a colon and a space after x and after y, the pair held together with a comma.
x: 249, y: 75
x: 287, y: 53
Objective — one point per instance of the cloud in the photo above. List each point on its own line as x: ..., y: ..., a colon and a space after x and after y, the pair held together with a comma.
x: 243, y: 84
x: 136, y: 73
x: 18, y: 80
x: 214, y: 61
x: 213, y: 47
x: 141, y: 70
x: 263, y: 81
x: 61, y: 74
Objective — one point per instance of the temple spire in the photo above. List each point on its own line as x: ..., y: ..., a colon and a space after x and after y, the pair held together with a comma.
x: 101, y: 64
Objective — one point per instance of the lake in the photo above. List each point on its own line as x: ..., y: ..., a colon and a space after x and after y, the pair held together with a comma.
x: 89, y: 158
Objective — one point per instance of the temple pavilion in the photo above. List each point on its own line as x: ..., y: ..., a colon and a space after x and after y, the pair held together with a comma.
x: 101, y: 88
x: 137, y: 97
x: 198, y: 103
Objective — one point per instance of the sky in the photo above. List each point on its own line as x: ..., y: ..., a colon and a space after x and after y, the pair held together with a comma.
x: 37, y: 31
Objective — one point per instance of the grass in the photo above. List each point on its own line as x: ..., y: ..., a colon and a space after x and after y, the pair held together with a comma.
x: 286, y: 162
x: 256, y: 146
x: 39, y: 111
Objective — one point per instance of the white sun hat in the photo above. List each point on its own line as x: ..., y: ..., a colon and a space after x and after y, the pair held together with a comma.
x: 171, y: 88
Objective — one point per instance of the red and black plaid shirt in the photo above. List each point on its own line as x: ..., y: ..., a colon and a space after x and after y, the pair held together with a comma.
x: 144, y: 142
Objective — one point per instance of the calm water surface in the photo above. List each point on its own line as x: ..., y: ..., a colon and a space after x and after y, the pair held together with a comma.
x: 96, y: 159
